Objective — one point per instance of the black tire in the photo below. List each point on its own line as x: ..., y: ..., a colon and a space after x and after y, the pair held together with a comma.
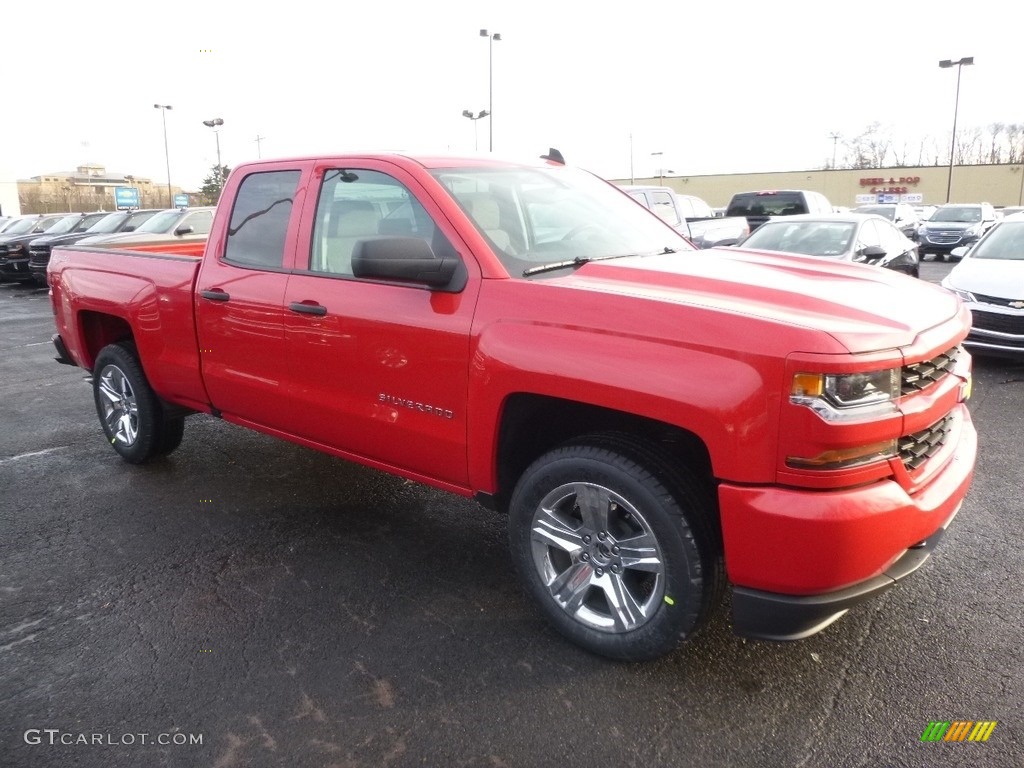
x: 172, y: 430
x: 572, y: 515
x: 130, y: 412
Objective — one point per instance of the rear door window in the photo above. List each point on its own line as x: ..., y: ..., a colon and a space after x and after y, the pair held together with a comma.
x: 259, y: 219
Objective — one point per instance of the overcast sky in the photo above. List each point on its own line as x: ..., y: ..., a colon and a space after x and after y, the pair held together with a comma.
x: 717, y: 87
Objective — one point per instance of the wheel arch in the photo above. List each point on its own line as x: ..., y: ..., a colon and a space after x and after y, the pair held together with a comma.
x: 533, y: 424
x: 98, y: 330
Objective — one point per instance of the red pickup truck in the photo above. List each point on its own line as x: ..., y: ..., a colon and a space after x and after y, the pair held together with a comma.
x: 653, y: 419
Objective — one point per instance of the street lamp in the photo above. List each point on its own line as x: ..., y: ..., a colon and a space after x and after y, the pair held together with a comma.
x: 661, y: 169
x: 215, y: 124
x: 167, y: 156
x: 474, y: 118
x: 835, y: 140
x: 946, y: 64
x: 490, y: 80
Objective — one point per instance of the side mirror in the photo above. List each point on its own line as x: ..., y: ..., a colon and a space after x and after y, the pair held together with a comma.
x: 407, y: 259
x: 129, y: 228
x: 873, y: 252
x: 185, y: 229
x: 959, y: 253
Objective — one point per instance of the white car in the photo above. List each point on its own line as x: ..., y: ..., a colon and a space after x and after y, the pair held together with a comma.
x: 990, y: 279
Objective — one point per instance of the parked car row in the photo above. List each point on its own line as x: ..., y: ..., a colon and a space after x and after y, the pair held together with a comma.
x: 27, y: 241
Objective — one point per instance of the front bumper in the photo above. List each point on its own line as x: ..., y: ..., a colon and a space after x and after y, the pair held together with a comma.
x: 770, y: 616
x: 798, y: 559
x: 14, y: 267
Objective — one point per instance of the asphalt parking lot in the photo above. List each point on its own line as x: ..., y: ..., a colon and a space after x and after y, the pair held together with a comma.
x: 281, y: 607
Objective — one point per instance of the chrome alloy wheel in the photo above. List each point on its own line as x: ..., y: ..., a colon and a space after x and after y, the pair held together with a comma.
x: 598, y: 557
x: 120, y: 409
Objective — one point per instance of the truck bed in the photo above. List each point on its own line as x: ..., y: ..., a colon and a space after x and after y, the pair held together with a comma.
x: 147, y: 286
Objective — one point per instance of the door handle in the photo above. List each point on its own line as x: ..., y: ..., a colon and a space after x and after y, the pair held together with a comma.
x: 215, y: 295
x: 310, y: 308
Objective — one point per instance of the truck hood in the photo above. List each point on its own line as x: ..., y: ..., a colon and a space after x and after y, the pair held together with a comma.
x: 863, y: 308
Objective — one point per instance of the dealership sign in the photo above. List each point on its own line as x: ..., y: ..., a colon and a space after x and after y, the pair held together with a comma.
x: 892, y: 186
x: 126, y: 198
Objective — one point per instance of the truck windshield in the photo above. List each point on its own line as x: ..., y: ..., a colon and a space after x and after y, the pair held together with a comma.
x: 539, y: 216
x: 22, y: 227
x: 64, y: 225
x: 108, y: 223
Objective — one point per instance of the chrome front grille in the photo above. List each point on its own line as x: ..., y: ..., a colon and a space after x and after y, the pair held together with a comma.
x: 944, y: 236
x: 916, y: 449
x: 918, y: 376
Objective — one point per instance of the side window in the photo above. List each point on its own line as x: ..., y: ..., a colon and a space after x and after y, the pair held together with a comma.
x: 664, y: 204
x: 259, y: 219
x: 200, y: 221
x: 357, y: 205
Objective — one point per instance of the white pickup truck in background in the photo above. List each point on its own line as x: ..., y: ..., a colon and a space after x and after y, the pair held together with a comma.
x: 691, y: 216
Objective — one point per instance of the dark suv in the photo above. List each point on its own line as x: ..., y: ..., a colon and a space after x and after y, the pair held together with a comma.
x: 953, y: 225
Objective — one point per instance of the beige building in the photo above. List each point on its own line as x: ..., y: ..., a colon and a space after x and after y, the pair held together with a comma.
x: 88, y: 188
x: 997, y: 184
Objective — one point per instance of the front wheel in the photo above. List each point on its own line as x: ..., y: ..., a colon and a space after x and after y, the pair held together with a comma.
x: 616, y: 548
x: 130, y: 412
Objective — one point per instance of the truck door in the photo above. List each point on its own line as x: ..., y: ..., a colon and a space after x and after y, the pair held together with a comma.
x: 377, y: 369
x: 239, y: 300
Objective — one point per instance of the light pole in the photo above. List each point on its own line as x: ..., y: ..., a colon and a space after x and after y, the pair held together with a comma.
x: 946, y: 64
x: 215, y: 124
x: 474, y: 118
x: 259, y: 150
x: 661, y: 168
x: 835, y: 141
x: 167, y: 155
x: 490, y: 81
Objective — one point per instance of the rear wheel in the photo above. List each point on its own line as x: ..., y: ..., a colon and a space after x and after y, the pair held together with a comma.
x: 616, y: 546
x: 130, y: 412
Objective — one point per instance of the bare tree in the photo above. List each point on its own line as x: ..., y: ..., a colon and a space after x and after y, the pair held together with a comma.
x: 995, y: 154
x: 868, y: 149
x: 1015, y: 142
x: 968, y: 147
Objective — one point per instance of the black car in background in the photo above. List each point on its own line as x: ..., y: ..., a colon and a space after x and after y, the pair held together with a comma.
x: 14, y: 243
x: 91, y: 224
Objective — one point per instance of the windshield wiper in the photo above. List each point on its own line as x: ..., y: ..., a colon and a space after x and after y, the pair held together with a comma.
x: 579, y: 261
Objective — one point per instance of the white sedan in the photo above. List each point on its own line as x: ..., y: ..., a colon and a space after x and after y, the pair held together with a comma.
x: 990, y: 279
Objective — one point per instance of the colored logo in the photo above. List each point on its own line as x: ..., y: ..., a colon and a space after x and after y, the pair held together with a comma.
x: 959, y: 730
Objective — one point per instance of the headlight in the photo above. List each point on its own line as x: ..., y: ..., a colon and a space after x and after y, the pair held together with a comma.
x: 964, y: 295
x: 973, y: 231
x: 14, y: 248
x: 835, y: 397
